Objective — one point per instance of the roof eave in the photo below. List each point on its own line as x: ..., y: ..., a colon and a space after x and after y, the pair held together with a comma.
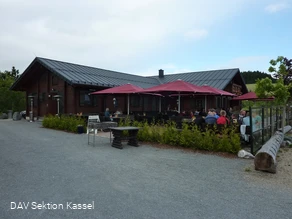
x: 14, y: 85
x: 71, y: 82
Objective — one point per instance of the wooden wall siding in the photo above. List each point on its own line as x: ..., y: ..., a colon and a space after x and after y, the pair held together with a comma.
x: 122, y: 103
x: 55, y: 89
x: 43, y: 94
x: 43, y: 90
x: 39, y: 82
x: 234, y: 88
x: 32, y: 90
x: 190, y: 103
x: 70, y: 100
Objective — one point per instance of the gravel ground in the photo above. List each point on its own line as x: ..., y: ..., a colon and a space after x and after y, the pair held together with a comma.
x: 39, y: 164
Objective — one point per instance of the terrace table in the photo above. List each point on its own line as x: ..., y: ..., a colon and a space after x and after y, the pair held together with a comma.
x: 119, y: 136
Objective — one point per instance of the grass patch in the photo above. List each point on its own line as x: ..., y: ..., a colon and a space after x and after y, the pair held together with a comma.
x: 250, y: 87
x: 247, y: 169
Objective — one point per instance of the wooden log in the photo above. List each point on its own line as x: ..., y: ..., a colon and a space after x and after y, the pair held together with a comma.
x: 265, y: 158
x: 287, y: 128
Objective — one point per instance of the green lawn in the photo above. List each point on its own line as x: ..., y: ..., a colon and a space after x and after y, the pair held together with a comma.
x: 250, y: 87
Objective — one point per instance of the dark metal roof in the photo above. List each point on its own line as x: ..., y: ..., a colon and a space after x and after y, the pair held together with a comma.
x: 215, y: 78
x: 85, y: 75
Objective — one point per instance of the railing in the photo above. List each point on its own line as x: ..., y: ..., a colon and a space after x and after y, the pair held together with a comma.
x: 265, y: 121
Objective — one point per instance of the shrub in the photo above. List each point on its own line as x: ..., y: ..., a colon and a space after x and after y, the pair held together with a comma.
x: 208, y: 140
x: 227, y: 140
x: 186, y: 136
x: 171, y: 134
x: 66, y: 123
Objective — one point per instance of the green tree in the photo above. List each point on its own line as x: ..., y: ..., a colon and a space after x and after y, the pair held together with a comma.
x: 10, y: 100
x: 265, y: 88
x: 250, y: 77
x: 282, y: 69
x: 281, y: 92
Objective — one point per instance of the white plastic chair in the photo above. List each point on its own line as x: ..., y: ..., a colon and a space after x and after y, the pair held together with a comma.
x: 91, y: 123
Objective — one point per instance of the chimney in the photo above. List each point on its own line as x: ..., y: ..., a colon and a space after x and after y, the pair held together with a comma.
x: 161, y: 73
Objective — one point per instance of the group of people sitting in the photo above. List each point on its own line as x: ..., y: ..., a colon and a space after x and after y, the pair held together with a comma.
x: 227, y: 118
x: 109, y: 117
x: 211, y: 118
x: 255, y: 120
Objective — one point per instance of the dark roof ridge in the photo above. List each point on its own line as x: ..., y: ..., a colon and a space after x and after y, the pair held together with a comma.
x: 88, y: 66
x: 192, y: 72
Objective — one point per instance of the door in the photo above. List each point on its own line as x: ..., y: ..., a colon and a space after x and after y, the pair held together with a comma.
x: 51, y: 105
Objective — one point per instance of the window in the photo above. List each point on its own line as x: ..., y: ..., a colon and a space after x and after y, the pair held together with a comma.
x: 135, y: 101
x: 87, y: 100
x: 218, y: 102
x: 42, y: 97
x: 236, y: 89
x: 55, y: 80
x: 197, y: 104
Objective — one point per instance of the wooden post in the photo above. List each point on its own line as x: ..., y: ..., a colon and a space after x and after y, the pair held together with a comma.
x: 283, y: 117
x: 263, y: 124
x: 251, y: 131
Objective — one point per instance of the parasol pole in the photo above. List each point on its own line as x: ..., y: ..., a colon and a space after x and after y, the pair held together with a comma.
x: 206, y: 103
x: 221, y: 102
x: 159, y: 104
x: 128, y: 104
x: 178, y: 102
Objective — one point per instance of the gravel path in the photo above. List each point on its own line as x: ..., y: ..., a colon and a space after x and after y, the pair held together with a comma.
x: 39, y: 164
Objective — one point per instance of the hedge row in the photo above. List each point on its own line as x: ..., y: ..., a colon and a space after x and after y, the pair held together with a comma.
x: 66, y: 123
x: 190, y: 136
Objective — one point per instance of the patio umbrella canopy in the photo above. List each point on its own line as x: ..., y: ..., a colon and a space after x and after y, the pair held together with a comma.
x: 218, y: 91
x: 123, y: 89
x: 251, y: 96
x: 178, y: 86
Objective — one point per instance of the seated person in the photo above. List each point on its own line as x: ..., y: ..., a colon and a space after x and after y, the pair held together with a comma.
x: 118, y: 112
x: 241, y: 115
x: 214, y: 113
x: 210, y: 118
x: 192, y: 116
x: 183, y: 113
x: 202, y: 112
x: 234, y: 119
x: 199, y: 121
x: 107, y: 115
x: 256, y: 121
x: 223, y: 120
x: 246, y: 120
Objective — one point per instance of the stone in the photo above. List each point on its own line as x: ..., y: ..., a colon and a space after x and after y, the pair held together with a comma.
x: 9, y: 114
x: 4, y: 116
x: 16, y: 116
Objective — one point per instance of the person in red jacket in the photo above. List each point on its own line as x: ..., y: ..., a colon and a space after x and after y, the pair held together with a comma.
x: 223, y: 120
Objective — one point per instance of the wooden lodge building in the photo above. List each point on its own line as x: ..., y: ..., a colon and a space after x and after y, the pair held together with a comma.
x: 46, y: 78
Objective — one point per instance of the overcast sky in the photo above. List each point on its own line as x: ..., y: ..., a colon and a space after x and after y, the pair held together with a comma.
x: 140, y: 37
